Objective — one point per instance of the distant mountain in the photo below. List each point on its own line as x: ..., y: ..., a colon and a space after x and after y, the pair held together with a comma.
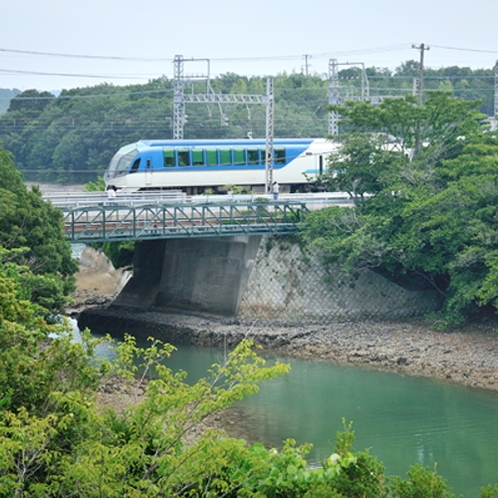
x: 6, y: 96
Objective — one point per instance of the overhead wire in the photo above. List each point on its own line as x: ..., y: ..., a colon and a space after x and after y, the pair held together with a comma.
x: 336, y: 54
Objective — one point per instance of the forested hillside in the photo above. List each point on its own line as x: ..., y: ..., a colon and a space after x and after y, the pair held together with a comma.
x: 72, y: 137
x: 5, y: 97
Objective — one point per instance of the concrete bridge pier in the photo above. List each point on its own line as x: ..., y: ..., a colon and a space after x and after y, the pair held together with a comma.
x: 209, y: 274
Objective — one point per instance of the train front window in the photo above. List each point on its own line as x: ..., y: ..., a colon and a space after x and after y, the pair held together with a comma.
x: 169, y: 157
x: 122, y: 160
x: 183, y: 157
x: 279, y: 155
x: 135, y: 166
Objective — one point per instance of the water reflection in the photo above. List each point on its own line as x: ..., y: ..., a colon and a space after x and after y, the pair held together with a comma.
x: 402, y: 420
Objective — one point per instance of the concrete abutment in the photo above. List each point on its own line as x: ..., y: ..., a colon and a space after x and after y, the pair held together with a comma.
x: 262, y: 277
x: 208, y: 274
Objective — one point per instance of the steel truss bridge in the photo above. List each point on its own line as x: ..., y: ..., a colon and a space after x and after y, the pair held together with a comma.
x: 94, y: 218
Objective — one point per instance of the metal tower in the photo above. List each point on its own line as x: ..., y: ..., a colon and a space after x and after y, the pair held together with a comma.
x: 180, y: 99
x: 334, y: 98
x: 269, y: 135
x: 339, y: 94
x: 179, y: 117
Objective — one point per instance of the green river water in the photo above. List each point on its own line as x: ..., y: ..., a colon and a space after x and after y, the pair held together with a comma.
x: 402, y: 420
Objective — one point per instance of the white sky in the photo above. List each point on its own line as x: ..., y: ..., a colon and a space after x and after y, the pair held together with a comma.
x: 256, y: 37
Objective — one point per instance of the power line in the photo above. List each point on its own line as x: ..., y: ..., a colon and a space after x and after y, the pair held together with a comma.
x: 467, y: 49
x: 82, y: 56
x: 71, y: 75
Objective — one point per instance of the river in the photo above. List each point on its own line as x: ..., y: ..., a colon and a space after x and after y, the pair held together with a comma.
x: 402, y: 420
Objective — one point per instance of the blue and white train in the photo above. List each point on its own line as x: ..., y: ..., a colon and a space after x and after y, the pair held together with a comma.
x: 194, y: 166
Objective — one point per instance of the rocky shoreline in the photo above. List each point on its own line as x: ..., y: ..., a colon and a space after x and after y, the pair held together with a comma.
x: 467, y: 356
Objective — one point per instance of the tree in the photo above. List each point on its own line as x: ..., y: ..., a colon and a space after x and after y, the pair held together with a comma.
x: 29, y: 222
x: 31, y: 101
x: 431, y: 178
x: 55, y: 440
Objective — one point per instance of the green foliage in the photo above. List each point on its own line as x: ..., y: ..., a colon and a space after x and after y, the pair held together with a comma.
x: 120, y: 253
x: 37, y: 359
x: 235, y: 189
x: 97, y: 186
x: 29, y: 222
x: 5, y: 97
x: 490, y: 491
x: 428, y: 218
x: 56, y: 441
x: 421, y: 483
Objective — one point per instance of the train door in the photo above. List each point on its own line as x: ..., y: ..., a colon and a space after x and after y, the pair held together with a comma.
x: 148, y: 171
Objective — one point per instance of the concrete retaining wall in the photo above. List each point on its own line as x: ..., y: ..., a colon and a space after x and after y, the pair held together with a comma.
x: 268, y: 277
x: 287, y: 283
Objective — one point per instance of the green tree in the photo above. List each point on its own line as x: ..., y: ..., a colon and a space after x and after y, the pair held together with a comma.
x: 431, y: 178
x: 27, y: 221
x: 55, y: 440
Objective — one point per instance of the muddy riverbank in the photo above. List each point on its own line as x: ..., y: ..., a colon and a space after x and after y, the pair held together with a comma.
x: 467, y: 356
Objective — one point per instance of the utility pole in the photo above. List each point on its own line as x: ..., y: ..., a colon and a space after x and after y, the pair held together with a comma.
x: 306, y: 57
x: 420, y: 82
x: 496, y: 93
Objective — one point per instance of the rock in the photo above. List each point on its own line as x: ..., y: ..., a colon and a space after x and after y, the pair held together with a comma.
x: 468, y: 355
x: 97, y: 282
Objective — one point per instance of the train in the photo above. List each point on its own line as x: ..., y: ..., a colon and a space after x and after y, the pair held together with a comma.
x: 197, y: 166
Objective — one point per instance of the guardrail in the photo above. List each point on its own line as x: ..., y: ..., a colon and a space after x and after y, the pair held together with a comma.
x: 90, y: 199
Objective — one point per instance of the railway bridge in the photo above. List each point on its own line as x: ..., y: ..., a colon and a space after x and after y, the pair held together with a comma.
x: 191, y: 252
x: 92, y: 217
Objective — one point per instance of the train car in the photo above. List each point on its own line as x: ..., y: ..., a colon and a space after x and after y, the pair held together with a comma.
x: 194, y: 166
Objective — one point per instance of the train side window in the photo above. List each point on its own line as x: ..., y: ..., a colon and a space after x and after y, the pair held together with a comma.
x: 183, y: 157
x: 263, y: 155
x: 239, y: 157
x: 135, y: 166
x: 279, y: 155
x: 211, y: 157
x: 169, y: 157
x: 253, y: 155
x: 198, y: 157
x: 225, y: 157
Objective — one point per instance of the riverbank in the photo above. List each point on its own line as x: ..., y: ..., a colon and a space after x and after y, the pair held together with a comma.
x: 467, y: 355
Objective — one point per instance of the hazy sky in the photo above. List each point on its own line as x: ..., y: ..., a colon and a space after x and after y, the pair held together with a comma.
x: 55, y: 44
